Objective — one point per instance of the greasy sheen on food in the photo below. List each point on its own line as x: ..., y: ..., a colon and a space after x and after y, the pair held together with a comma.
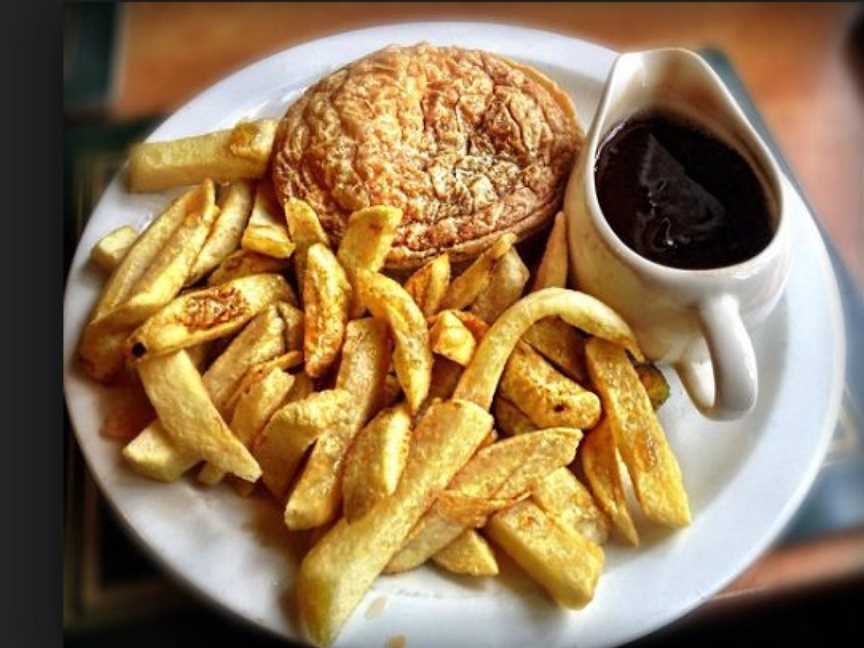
x: 466, y: 143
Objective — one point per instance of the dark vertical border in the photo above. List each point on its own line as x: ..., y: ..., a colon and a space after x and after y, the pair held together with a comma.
x: 31, y: 466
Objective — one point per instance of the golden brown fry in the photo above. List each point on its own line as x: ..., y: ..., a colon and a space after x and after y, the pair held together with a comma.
x: 257, y: 372
x: 293, y: 318
x: 236, y: 154
x: 561, y: 344
x: 243, y: 263
x: 562, y: 561
x: 101, y: 349
x: 450, y: 338
x: 509, y: 418
x: 326, y: 299
x: 412, y: 357
x: 154, y: 454
x: 283, y: 442
x: 505, y: 287
x: 428, y: 285
x: 562, y: 496
x: 465, y: 288
x: 235, y: 205
x: 266, y: 232
x: 655, y: 384
x: 306, y: 231
x: 364, y: 365
x: 544, y: 394
x: 180, y: 398
x: 375, y: 461
x: 366, y: 244
x: 207, y: 314
x: 601, y: 465
x: 342, y: 566
x: 480, y: 378
x: 468, y: 554
x: 652, y: 465
x: 553, y: 268
x: 467, y: 510
x: 130, y: 413
x: 111, y: 248
x: 503, y: 470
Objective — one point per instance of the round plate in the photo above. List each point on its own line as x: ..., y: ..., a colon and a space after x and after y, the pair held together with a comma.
x: 745, y: 479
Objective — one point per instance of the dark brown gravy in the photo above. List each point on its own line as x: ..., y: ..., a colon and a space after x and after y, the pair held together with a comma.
x: 679, y: 196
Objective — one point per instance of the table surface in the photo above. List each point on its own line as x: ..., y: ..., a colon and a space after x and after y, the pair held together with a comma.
x: 794, y: 60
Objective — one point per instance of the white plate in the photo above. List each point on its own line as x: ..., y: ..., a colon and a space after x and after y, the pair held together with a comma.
x: 745, y: 479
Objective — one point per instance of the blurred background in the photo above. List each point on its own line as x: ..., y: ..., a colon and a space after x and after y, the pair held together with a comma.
x: 797, y: 69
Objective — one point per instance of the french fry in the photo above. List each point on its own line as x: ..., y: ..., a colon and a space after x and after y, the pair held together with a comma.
x: 366, y: 244
x: 503, y: 470
x: 505, y: 287
x: 180, y: 398
x: 465, y: 288
x: 652, y: 465
x: 293, y: 318
x: 317, y: 496
x: 326, y: 299
x: 544, y: 394
x: 552, y: 271
x: 428, y: 285
x: 258, y: 371
x: 412, y: 357
x: 561, y: 495
x: 266, y: 232
x: 468, y: 554
x: 509, y: 418
x: 341, y: 567
x: 376, y: 460
x: 480, y: 378
x: 560, y: 344
x: 111, y: 248
x: 600, y: 463
x: 101, y: 350
x: 240, y: 153
x: 306, y: 231
x: 154, y: 454
x: 243, y: 263
x: 283, y: 442
x: 207, y: 314
x: 450, y: 338
x: 255, y: 406
x: 130, y: 413
x: 655, y: 384
x: 562, y: 561
x: 235, y: 205
x: 468, y: 511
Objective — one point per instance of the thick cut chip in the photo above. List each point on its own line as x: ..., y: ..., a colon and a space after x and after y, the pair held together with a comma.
x: 412, y: 357
x: 326, y: 298
x: 341, y: 567
x: 101, y: 350
x: 154, y: 454
x: 428, y: 285
x: 510, y: 419
x: 364, y: 366
x: 467, y: 510
x: 465, y: 288
x: 243, y: 263
x: 601, y: 465
x: 505, y: 287
x: 183, y: 405
x: 552, y: 271
x: 266, y: 232
x: 655, y: 384
x: 561, y: 495
x: 255, y: 406
x: 469, y: 554
x: 652, y: 465
x: 240, y: 153
x: 480, y: 378
x: 450, y: 338
x: 207, y: 314
x: 283, y: 442
x: 503, y: 470
x: 111, y: 248
x: 130, y: 413
x: 366, y: 243
x: 306, y: 231
x: 545, y: 395
x: 293, y: 318
x: 235, y: 205
x: 566, y: 564
x: 257, y: 372
x: 375, y: 461
x: 560, y: 344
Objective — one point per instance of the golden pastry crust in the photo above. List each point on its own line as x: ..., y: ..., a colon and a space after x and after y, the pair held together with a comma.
x: 468, y: 144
